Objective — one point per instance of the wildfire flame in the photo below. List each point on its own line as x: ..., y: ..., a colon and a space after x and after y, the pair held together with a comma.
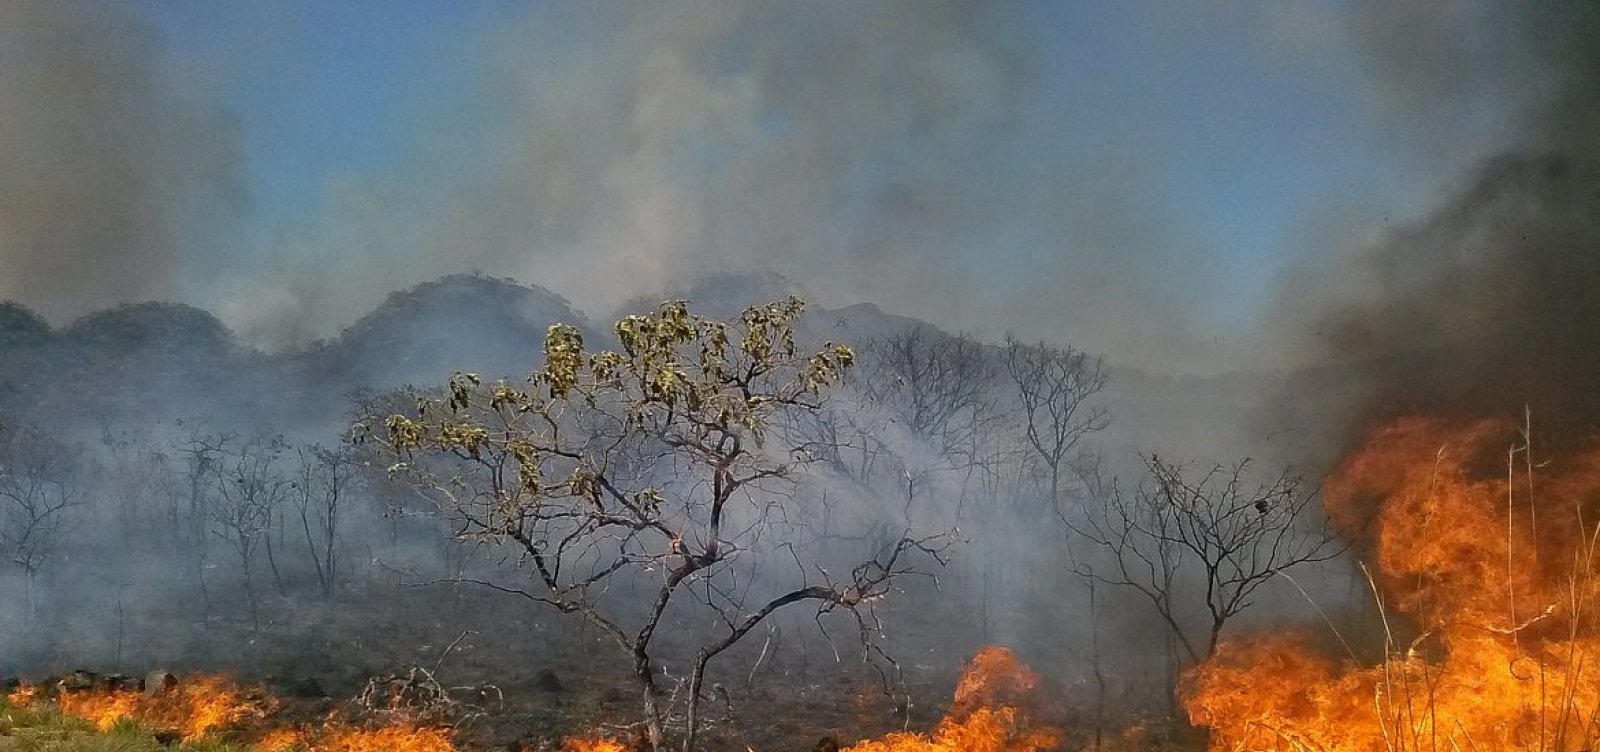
x: 202, y: 705
x: 394, y: 738
x: 987, y: 715
x: 199, y: 706
x: 593, y: 745
x: 1490, y: 559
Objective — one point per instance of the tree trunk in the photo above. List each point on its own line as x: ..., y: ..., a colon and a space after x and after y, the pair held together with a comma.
x: 692, y: 716
x: 645, y: 673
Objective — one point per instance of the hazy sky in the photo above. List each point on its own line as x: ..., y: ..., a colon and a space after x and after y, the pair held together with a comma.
x: 1132, y: 176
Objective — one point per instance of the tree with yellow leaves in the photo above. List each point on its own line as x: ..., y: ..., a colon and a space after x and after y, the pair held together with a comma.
x: 659, y: 465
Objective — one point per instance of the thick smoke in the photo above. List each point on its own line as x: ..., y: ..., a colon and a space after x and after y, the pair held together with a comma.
x: 107, y: 175
x: 1492, y: 303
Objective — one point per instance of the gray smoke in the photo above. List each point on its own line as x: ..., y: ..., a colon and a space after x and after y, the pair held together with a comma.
x: 1492, y: 302
x: 869, y: 152
x: 108, y: 175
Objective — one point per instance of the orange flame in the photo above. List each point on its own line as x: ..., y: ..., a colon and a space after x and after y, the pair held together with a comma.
x: 592, y: 745
x: 987, y: 715
x: 282, y: 740
x: 104, y: 710
x: 199, y: 706
x: 1496, y: 574
x: 395, y: 738
x: 23, y: 695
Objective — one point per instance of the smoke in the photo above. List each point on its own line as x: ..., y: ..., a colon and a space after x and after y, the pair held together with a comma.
x: 895, y: 153
x: 1491, y: 303
x: 108, y: 175
x: 606, y: 149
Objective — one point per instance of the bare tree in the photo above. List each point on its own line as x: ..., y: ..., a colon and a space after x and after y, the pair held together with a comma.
x: 200, y: 454
x: 939, y: 386
x: 40, y: 484
x: 1055, y: 386
x: 1232, y: 534
x: 249, y: 493
x: 135, y: 481
x: 661, y: 465
x: 320, y: 488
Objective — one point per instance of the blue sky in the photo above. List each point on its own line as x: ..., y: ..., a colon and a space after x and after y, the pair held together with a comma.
x: 1134, y: 175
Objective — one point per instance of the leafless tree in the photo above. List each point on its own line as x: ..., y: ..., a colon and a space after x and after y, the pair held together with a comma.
x: 1055, y: 386
x: 41, y: 484
x: 135, y: 480
x: 940, y: 387
x: 200, y: 455
x: 249, y: 493
x: 1230, y: 533
x: 320, y: 487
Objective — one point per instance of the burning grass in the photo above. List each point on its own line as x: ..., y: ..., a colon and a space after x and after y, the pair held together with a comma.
x: 202, y: 713
x: 1489, y: 558
x: 992, y: 712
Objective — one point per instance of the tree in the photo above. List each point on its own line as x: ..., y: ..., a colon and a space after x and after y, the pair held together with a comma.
x: 249, y: 493
x: 40, y: 484
x: 660, y: 465
x: 320, y: 486
x: 940, y: 387
x: 1054, y: 386
x: 1233, y: 535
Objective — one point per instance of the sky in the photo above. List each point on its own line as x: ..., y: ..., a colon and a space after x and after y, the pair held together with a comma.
x: 1136, y: 178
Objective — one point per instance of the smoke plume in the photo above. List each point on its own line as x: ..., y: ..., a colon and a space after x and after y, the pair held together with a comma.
x: 108, y: 175
x: 1492, y: 302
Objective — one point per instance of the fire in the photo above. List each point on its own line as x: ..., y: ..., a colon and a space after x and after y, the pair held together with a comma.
x: 199, y: 706
x: 204, y: 705
x: 592, y: 745
x: 1490, y: 560
x: 23, y: 695
x: 988, y: 714
x: 104, y: 710
x: 394, y: 738
x: 282, y: 740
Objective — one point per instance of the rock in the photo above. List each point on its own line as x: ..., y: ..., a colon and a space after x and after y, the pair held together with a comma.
x: 124, y: 683
x: 81, y: 681
x: 159, y: 682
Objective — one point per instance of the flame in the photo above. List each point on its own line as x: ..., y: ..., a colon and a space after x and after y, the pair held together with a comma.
x: 23, y: 695
x: 282, y: 740
x: 199, y: 706
x: 393, y: 738
x: 104, y: 710
x: 592, y: 745
x: 989, y: 714
x: 985, y: 730
x: 986, y: 716
x: 1494, y: 573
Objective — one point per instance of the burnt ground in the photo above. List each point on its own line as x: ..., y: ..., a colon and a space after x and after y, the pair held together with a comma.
x: 540, y: 676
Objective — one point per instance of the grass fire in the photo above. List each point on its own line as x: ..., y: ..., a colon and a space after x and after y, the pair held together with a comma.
x: 208, y: 712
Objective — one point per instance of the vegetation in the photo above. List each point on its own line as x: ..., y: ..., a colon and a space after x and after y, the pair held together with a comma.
x: 44, y: 729
x: 661, y: 464
x: 716, y: 503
